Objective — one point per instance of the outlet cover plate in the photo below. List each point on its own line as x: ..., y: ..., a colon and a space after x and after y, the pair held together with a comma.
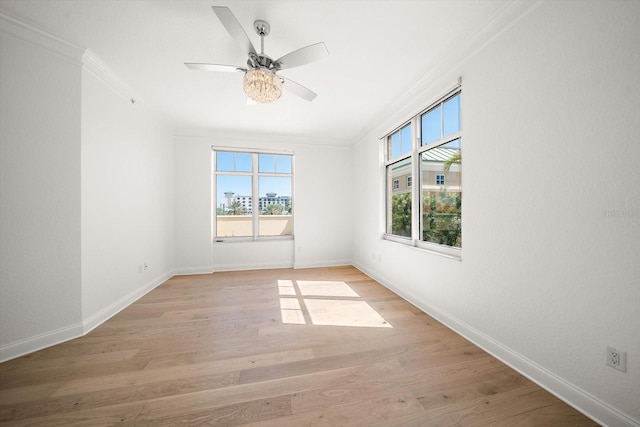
x: 617, y: 359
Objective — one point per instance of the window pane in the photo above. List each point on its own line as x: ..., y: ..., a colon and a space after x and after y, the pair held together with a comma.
x: 233, y: 206
x: 399, y: 198
x: 243, y: 162
x: 400, y: 142
x: 405, y: 137
x: 230, y: 162
x: 431, y: 126
x: 395, y: 145
x: 283, y: 164
x: 452, y: 115
x: 441, y: 195
x: 267, y: 163
x: 224, y: 161
x: 275, y: 206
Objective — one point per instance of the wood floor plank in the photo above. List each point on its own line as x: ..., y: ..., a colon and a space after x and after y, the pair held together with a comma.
x: 10, y: 397
x: 128, y: 393
x: 70, y: 362
x: 27, y: 378
x: 244, y: 413
x: 222, y: 349
x: 383, y: 407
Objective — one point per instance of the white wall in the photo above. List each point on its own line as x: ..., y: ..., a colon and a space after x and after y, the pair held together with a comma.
x: 39, y: 193
x: 192, y: 206
x: 550, y: 273
x: 127, y: 197
x: 322, y: 200
x: 86, y: 192
x: 323, y: 206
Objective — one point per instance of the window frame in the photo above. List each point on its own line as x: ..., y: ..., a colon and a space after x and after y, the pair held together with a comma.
x: 255, y: 192
x: 451, y: 251
x: 389, y: 163
x: 417, y: 149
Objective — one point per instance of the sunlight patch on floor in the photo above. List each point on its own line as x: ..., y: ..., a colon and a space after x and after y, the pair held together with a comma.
x: 325, y: 288
x: 325, y: 303
x: 285, y: 287
x: 344, y: 313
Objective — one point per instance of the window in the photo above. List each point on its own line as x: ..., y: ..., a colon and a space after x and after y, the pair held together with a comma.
x: 253, y: 194
x: 399, y: 169
x: 440, y: 222
x: 427, y: 215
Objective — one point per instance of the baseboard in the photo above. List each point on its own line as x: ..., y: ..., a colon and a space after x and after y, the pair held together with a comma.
x: 584, y: 402
x: 320, y: 264
x: 251, y: 266
x: 258, y: 266
x: 39, y: 342
x: 60, y: 335
x: 192, y: 270
x: 111, y: 310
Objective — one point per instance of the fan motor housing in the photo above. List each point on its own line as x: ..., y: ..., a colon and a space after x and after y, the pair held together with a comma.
x: 262, y: 61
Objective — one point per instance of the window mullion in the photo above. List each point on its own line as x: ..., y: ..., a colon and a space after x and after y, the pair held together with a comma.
x: 441, y: 141
x: 214, y: 192
x: 441, y: 119
x: 255, y: 195
x: 416, y: 182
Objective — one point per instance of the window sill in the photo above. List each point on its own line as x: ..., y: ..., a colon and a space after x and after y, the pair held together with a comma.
x: 217, y: 240
x: 432, y: 248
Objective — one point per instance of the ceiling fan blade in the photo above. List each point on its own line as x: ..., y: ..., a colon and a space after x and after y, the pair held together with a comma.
x: 234, y: 28
x: 302, y: 56
x: 214, y: 67
x: 298, y: 89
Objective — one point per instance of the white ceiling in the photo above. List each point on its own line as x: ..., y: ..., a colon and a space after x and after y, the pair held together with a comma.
x: 378, y: 50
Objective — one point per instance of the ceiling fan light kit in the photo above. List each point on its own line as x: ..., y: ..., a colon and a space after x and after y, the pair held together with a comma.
x: 260, y: 81
x: 262, y: 85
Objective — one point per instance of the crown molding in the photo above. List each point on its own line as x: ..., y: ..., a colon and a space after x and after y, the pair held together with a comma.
x: 27, y: 33
x: 99, y: 69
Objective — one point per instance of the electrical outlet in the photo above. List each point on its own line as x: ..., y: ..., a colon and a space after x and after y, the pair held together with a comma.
x: 617, y: 359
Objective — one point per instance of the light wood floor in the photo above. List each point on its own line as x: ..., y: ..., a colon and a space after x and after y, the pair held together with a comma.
x: 311, y: 347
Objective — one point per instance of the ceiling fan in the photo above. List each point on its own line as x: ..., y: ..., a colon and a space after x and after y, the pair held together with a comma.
x: 260, y: 82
